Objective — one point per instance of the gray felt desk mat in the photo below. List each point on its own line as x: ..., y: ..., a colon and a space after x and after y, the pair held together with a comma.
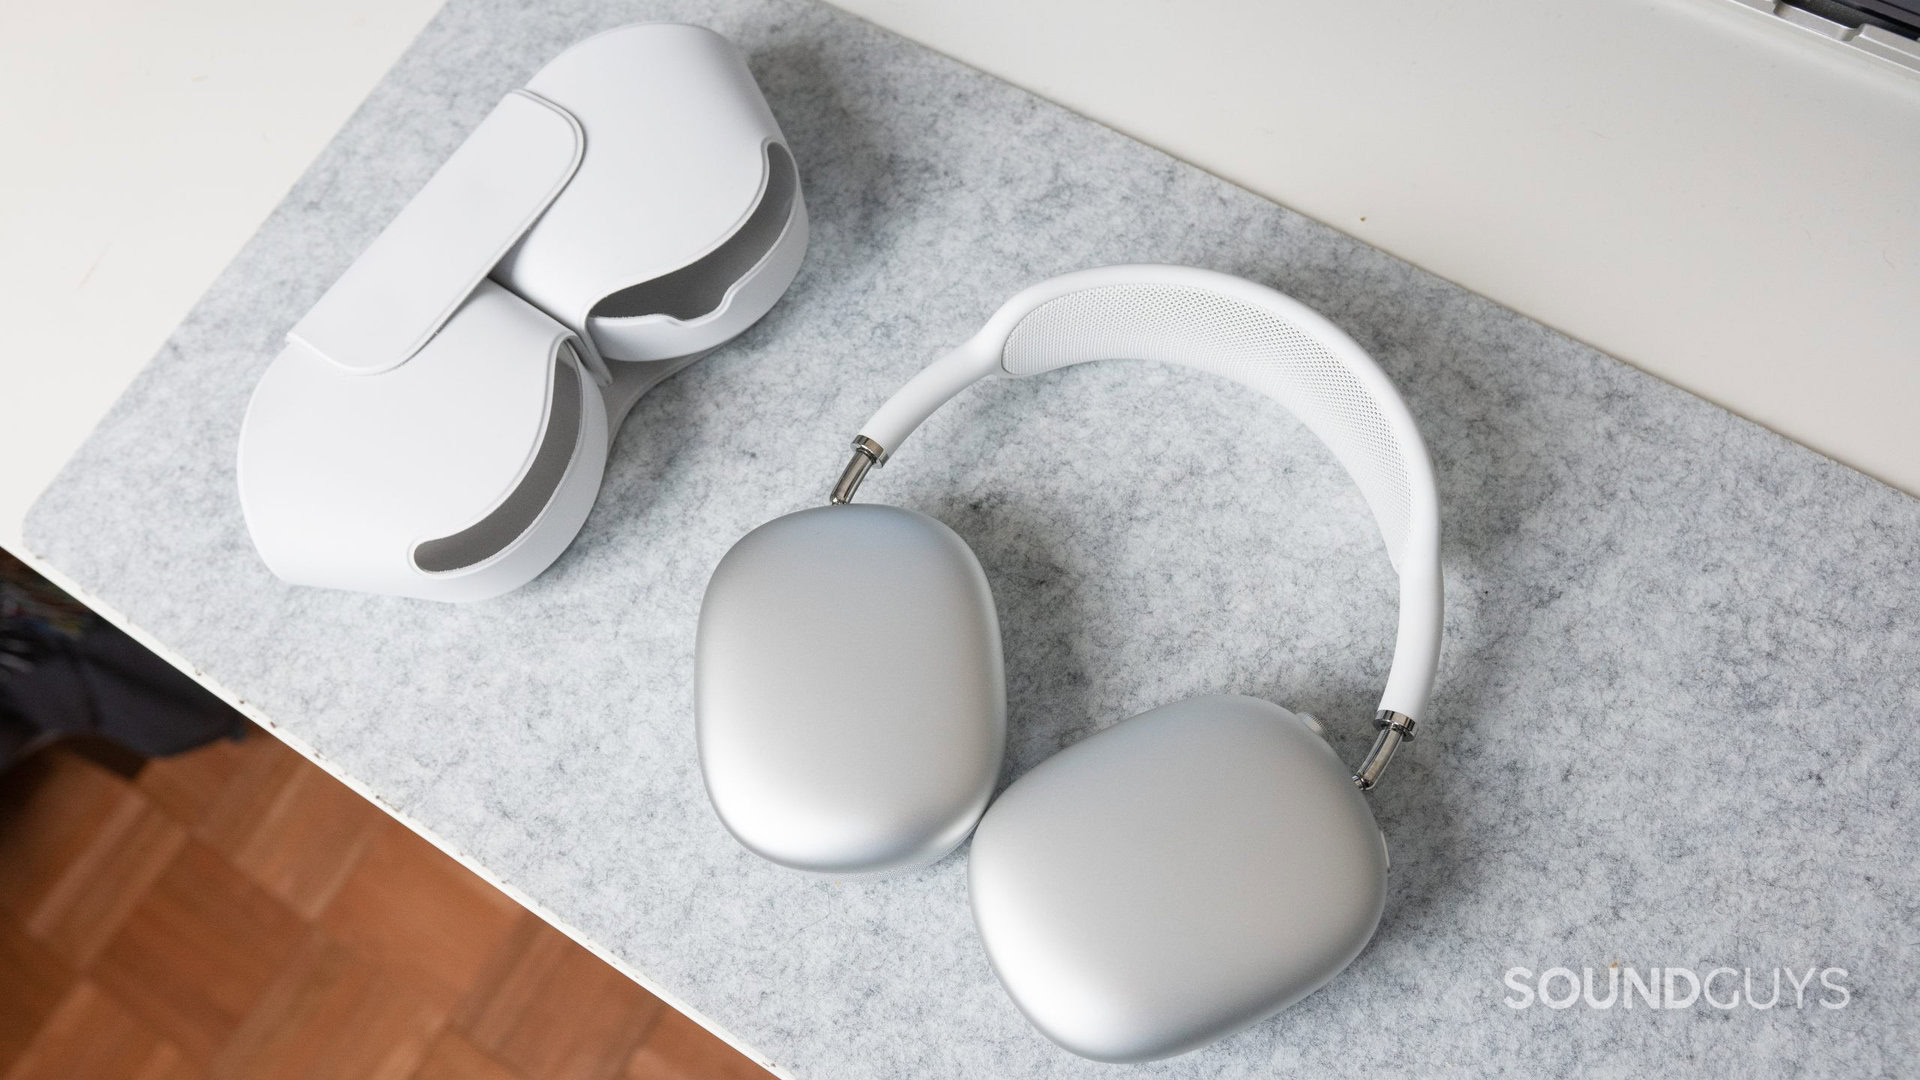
x: 1674, y: 724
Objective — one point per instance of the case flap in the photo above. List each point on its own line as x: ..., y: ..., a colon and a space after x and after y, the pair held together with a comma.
x: 396, y: 296
x: 679, y: 163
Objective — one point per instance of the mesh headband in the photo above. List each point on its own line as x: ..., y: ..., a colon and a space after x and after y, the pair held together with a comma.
x: 1239, y: 341
x: 1256, y: 337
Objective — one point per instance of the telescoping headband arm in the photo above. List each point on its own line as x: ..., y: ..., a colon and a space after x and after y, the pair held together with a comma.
x: 1256, y: 337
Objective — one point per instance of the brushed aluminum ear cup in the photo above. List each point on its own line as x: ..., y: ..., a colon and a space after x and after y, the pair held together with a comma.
x: 1176, y: 877
x: 850, y: 696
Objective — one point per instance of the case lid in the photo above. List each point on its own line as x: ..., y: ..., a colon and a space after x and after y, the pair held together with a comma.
x: 682, y: 152
x: 343, y: 476
x: 426, y: 262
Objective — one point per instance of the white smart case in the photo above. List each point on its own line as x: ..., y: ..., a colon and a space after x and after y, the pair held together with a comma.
x: 437, y: 424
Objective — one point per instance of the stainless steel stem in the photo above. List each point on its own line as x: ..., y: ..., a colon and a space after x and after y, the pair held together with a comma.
x: 866, y: 454
x: 1395, y: 728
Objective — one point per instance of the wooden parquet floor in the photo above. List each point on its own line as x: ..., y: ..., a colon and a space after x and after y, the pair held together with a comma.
x: 237, y: 914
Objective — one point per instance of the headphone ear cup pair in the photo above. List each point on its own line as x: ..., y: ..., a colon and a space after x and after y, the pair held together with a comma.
x: 1146, y: 891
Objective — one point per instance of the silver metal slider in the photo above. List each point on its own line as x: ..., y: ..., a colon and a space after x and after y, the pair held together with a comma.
x: 1395, y: 728
x: 866, y: 454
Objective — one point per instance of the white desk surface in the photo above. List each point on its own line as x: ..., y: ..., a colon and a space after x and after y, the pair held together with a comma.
x: 1703, y: 191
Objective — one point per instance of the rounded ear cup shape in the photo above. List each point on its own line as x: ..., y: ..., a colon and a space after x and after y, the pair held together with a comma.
x: 1176, y: 877
x: 849, y: 690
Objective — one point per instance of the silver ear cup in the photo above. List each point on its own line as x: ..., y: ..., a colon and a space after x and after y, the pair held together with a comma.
x: 1176, y: 877
x: 850, y: 694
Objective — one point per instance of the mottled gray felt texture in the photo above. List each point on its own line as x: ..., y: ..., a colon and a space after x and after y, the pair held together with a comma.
x: 1674, y: 723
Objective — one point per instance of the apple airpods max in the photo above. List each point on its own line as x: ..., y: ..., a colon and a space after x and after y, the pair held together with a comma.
x: 1163, y: 883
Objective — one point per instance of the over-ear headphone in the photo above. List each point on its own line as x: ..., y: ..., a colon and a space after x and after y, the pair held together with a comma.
x: 1158, y: 885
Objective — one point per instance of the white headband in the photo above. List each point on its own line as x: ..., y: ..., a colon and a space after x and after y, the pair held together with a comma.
x: 1257, y: 337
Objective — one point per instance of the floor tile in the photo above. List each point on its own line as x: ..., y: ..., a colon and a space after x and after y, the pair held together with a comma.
x: 409, y: 906
x: 186, y: 785
x: 454, y: 1058
x: 679, y: 1049
x: 550, y: 1009
x: 331, y: 1015
x: 289, y: 826
x: 52, y: 808
x: 195, y: 954
x: 96, y: 897
x: 33, y: 982
x: 92, y: 1036
x: 78, y: 847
